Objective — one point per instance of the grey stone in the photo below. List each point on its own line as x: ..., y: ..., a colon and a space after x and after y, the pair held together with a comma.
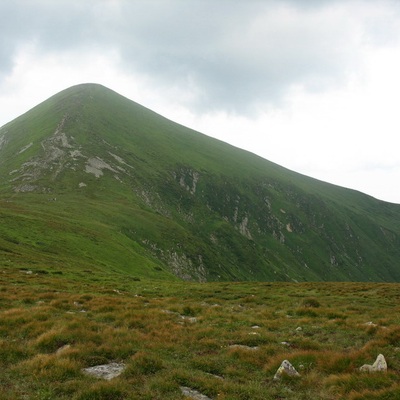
x: 106, y: 371
x: 286, y: 368
x: 193, y: 394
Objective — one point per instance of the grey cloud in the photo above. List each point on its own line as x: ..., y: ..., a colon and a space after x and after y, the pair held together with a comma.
x: 236, y: 53
x: 237, y: 62
x: 234, y: 63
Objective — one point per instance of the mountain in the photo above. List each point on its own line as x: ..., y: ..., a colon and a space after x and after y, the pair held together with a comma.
x: 90, y: 180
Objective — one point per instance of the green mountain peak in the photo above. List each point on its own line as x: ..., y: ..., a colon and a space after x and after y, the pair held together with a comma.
x: 91, y: 180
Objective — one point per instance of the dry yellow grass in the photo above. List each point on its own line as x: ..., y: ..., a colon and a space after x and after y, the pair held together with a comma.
x: 225, y: 340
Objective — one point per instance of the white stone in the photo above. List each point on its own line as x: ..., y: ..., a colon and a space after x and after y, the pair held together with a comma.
x: 286, y: 368
x: 379, y: 365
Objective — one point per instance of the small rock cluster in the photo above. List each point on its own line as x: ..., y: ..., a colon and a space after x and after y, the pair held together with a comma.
x: 286, y: 368
x: 112, y: 370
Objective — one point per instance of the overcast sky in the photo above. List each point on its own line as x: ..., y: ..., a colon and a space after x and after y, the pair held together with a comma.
x: 312, y: 85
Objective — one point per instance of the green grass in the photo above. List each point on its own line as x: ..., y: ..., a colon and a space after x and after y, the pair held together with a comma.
x: 175, y: 202
x: 172, y: 334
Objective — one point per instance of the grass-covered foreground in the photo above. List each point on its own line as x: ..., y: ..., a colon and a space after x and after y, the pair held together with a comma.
x: 224, y: 340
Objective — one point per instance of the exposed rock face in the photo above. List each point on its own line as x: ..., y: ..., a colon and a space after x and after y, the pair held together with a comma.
x: 2, y: 140
x: 106, y: 371
x: 188, y: 179
x: 184, y: 267
x: 286, y: 368
x: 59, y: 153
x: 95, y: 166
x: 378, y: 366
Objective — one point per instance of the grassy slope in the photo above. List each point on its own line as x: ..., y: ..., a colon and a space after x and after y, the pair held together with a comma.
x: 151, y: 218
x: 71, y: 261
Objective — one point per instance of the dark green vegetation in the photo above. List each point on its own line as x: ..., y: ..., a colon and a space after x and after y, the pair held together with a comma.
x: 92, y: 181
x: 225, y: 340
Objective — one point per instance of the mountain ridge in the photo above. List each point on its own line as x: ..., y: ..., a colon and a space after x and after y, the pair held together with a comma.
x: 162, y: 200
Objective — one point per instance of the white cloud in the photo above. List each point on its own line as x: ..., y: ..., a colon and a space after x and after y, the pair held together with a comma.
x: 313, y: 86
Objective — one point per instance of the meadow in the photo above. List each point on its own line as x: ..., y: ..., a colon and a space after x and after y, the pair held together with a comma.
x: 224, y: 340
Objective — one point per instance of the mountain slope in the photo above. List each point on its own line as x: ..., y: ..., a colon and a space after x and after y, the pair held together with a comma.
x: 90, y: 179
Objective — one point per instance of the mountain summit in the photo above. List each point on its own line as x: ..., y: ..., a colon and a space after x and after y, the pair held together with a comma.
x: 91, y: 180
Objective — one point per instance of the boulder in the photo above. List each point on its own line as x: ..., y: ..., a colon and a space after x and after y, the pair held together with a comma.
x: 63, y: 349
x: 106, y: 371
x: 286, y: 368
x: 193, y: 394
x: 378, y: 366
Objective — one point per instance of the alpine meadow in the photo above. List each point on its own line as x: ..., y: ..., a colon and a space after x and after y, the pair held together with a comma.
x: 192, y: 267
